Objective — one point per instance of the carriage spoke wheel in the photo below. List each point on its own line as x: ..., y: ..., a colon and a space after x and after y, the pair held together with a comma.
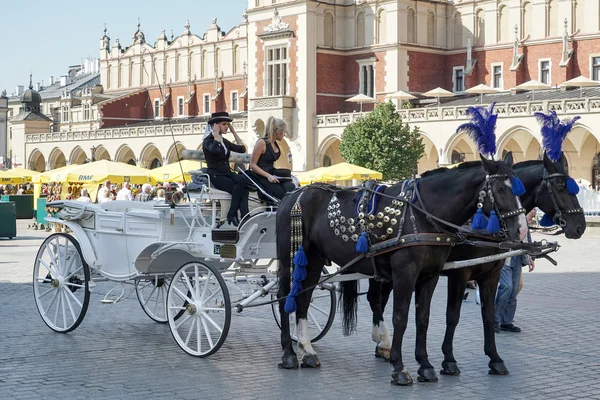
x: 204, y: 324
x: 61, y: 283
x: 321, y: 314
x: 152, y: 295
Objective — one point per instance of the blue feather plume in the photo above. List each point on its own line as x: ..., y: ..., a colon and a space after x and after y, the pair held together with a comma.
x: 482, y: 128
x: 554, y: 132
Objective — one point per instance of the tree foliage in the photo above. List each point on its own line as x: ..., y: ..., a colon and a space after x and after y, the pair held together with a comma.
x: 382, y: 142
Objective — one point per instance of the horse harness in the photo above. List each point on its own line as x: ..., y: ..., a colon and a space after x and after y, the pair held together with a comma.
x: 558, y: 213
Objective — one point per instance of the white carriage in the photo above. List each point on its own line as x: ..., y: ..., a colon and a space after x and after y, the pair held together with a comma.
x: 183, y: 261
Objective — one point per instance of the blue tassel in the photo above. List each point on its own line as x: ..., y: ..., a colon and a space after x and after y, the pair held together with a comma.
x: 479, y: 221
x: 300, y: 259
x: 494, y: 223
x: 572, y: 186
x: 546, y: 221
x: 290, y: 304
x: 517, y: 187
x: 299, y: 273
x: 362, y: 246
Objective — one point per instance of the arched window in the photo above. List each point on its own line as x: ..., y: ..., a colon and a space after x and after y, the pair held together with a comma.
x: 204, y: 65
x: 143, y: 69
x: 430, y: 28
x: 217, y: 59
x: 526, y: 20
x: 381, y: 26
x: 552, y: 19
x: 503, y: 25
x: 176, y: 68
x: 480, y: 27
x: 328, y: 30
x: 235, y: 59
x: 360, y: 29
x: 411, y: 36
x: 458, y: 31
x: 578, y: 15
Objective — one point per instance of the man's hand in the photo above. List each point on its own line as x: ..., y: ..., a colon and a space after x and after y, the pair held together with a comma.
x: 532, y: 266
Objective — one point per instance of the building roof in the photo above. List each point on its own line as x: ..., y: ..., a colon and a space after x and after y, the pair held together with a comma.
x: 30, y: 116
x: 31, y: 96
x: 74, y: 85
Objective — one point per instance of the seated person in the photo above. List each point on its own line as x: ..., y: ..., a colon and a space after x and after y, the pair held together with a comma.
x: 266, y: 152
x: 217, y: 151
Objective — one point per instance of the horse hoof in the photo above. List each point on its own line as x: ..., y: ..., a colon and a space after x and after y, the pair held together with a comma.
x: 310, y: 361
x: 401, y: 378
x: 450, y: 368
x: 498, y: 368
x: 427, y: 375
x: 289, y: 362
x: 382, y: 353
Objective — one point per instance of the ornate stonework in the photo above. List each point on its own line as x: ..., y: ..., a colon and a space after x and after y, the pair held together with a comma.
x: 276, y: 24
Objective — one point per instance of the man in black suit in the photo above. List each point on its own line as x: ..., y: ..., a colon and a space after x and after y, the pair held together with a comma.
x: 217, y: 151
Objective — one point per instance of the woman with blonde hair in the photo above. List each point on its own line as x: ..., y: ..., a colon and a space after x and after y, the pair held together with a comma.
x: 265, y: 153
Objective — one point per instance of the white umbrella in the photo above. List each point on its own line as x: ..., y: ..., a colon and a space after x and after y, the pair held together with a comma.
x: 400, y: 95
x: 481, y: 89
x: 361, y: 98
x: 532, y: 85
x: 437, y: 93
x: 580, y: 82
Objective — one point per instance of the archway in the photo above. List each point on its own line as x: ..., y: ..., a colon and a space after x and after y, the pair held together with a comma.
x: 521, y: 142
x: 78, y: 156
x: 125, y: 155
x: 460, y: 149
x: 37, y: 161
x: 430, y: 158
x: 259, y: 128
x: 101, y: 154
x: 330, y: 153
x: 150, y: 157
x: 175, y: 150
x: 56, y: 159
x: 285, y: 160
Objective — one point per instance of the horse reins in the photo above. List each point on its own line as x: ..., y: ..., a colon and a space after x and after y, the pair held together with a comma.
x: 547, y: 183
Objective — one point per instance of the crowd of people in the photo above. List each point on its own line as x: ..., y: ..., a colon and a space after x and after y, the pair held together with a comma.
x: 16, y: 189
x: 127, y: 191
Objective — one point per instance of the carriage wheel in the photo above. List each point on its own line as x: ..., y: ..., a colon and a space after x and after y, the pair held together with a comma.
x: 152, y: 295
x: 61, y: 283
x: 321, y: 314
x: 203, y: 327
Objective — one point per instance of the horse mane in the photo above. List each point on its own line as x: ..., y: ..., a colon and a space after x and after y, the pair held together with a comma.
x: 459, y: 167
x: 528, y: 163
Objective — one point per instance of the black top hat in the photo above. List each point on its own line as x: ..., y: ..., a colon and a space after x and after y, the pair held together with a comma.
x: 220, y: 116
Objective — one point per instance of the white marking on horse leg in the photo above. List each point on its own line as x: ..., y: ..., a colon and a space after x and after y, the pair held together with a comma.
x: 304, y: 337
x: 375, y: 333
x: 384, y: 336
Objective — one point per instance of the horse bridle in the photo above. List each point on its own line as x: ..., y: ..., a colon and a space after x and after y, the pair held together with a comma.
x: 486, y: 191
x: 558, y: 213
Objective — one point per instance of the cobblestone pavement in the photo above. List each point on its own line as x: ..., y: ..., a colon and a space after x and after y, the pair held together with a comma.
x: 118, y: 352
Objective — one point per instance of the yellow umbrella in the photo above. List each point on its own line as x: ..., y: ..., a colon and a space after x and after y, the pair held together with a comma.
x: 25, y: 173
x: 172, y: 172
x: 346, y: 172
x: 99, y: 171
x: 54, y: 175
x: 308, y: 177
x: 8, y: 178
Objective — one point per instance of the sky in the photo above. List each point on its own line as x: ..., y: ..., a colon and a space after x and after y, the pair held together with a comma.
x: 45, y: 37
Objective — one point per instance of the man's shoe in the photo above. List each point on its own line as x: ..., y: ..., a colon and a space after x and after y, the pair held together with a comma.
x: 233, y: 220
x: 510, y: 328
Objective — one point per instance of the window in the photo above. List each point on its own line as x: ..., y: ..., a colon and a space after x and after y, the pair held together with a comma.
x: 544, y: 72
x: 366, y: 77
x: 86, y: 112
x: 503, y: 25
x: 430, y: 28
x: 458, y: 79
x: 156, y: 108
x: 277, y: 71
x: 206, y: 104
x: 65, y: 114
x: 234, y: 101
x: 360, y: 30
x: 497, y: 82
x: 328, y: 30
x: 595, y: 68
x: 411, y: 26
x: 381, y: 26
x: 180, y: 108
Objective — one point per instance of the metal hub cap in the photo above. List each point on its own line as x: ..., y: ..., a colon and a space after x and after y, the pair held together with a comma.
x: 56, y: 283
x: 191, y: 309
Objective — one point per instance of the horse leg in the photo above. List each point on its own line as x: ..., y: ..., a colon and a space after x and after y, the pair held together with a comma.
x: 457, y: 283
x: 378, y: 296
x: 308, y: 354
x: 403, y: 280
x: 488, y: 289
x: 423, y: 294
x: 289, y: 360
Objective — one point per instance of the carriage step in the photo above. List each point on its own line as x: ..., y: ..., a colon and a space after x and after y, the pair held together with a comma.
x: 225, y: 235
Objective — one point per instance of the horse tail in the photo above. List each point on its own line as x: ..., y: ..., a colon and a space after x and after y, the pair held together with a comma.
x: 349, y: 304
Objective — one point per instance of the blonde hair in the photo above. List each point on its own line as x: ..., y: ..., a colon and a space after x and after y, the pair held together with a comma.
x: 160, y: 193
x: 272, y: 126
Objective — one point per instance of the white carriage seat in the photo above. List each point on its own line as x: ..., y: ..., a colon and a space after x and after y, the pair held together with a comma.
x: 125, y: 205
x: 211, y: 193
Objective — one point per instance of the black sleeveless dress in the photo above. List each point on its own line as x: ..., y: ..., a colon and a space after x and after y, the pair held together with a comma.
x: 266, y: 162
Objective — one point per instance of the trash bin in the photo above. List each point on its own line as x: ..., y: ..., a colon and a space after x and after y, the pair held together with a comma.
x: 23, y: 204
x: 40, y: 212
x: 8, y: 219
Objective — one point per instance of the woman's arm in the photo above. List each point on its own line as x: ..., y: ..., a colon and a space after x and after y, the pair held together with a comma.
x: 211, y: 145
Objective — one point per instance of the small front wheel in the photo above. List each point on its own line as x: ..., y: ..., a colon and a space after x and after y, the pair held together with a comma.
x: 204, y: 324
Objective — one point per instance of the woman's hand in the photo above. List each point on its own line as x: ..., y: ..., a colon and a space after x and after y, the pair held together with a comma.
x: 272, y: 179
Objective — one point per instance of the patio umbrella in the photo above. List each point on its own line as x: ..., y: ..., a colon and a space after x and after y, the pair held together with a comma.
x: 481, y: 89
x: 54, y: 175
x: 400, y: 95
x: 116, y: 172
x: 361, y: 98
x: 532, y: 85
x: 172, y: 172
x: 345, y: 172
x: 308, y: 177
x: 580, y: 82
x: 437, y: 93
x: 8, y: 178
x: 25, y: 173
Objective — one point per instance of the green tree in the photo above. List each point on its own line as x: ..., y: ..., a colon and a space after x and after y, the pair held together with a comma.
x: 382, y: 142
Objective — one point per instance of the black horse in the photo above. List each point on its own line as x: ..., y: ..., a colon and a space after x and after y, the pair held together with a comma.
x: 545, y: 188
x: 448, y: 194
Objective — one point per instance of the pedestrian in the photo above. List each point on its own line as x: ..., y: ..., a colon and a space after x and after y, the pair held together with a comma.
x: 160, y: 196
x: 125, y: 193
x: 508, y: 288
x: 145, y: 194
x: 84, y: 198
